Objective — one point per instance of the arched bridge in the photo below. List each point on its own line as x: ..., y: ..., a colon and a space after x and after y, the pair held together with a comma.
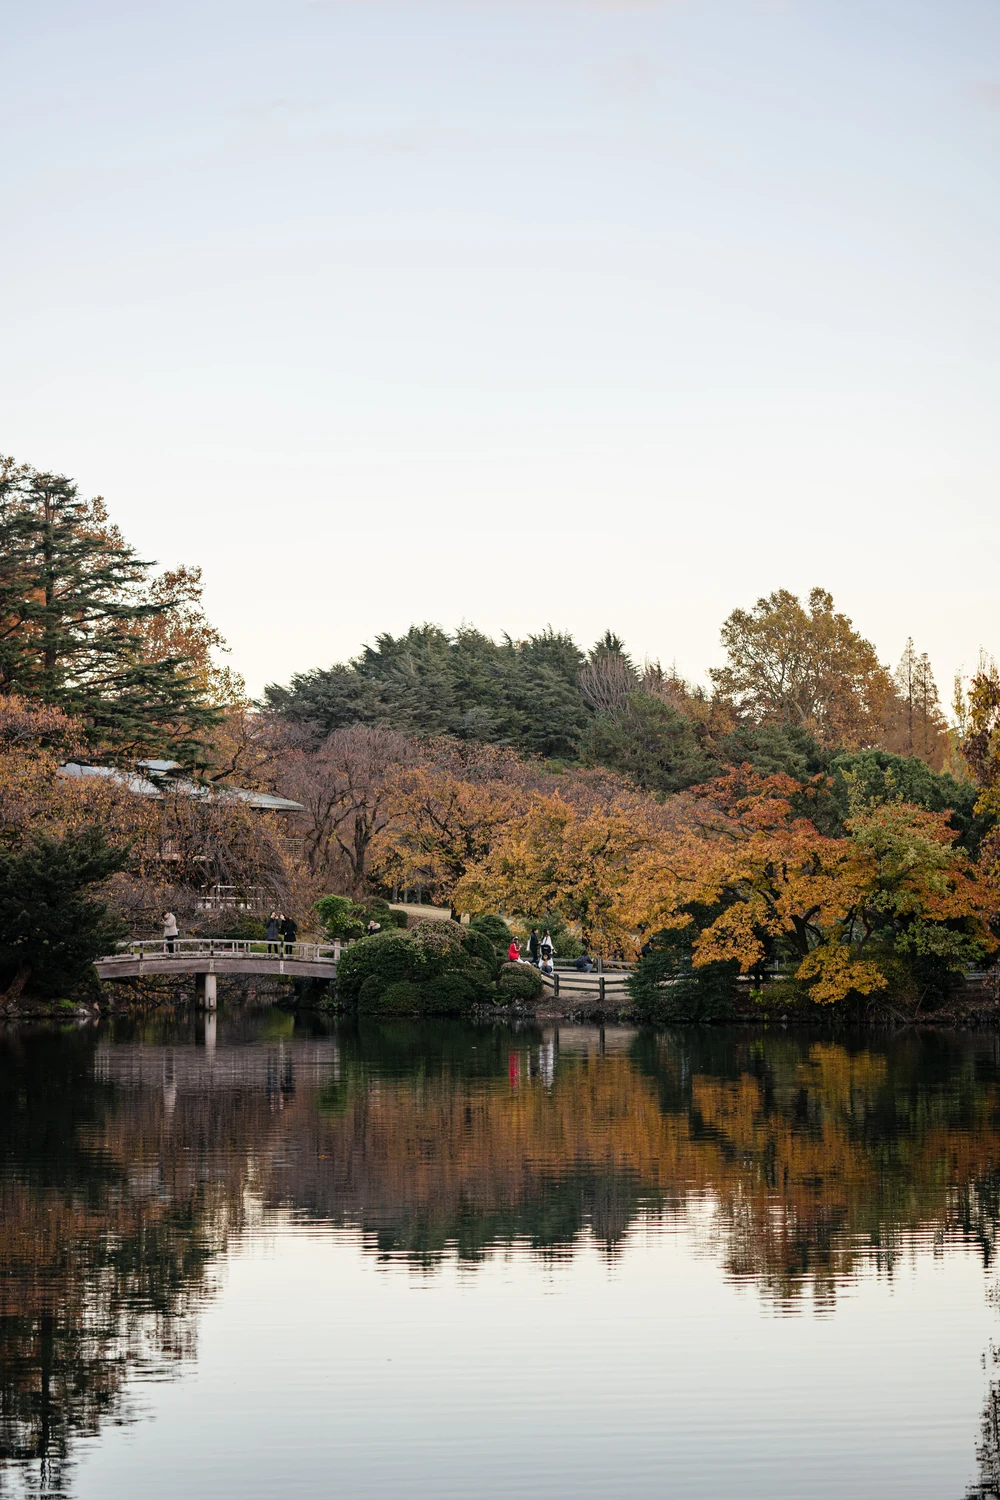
x: 208, y: 957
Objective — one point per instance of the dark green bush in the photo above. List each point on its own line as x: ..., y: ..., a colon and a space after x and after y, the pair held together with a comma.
x: 384, y: 958
x: 477, y: 945
x: 455, y: 993
x: 450, y: 995
x: 339, y: 918
x: 519, y: 982
x: 347, y: 919
x: 666, y: 986
x: 445, y: 967
x: 494, y: 929
x: 377, y: 908
x: 401, y: 998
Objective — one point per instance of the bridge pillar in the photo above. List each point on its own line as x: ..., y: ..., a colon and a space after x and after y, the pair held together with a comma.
x: 205, y: 991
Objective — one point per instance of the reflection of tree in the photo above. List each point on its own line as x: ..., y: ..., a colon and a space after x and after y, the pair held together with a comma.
x: 987, y: 1486
x: 124, y: 1169
x: 809, y: 1152
x: 112, y: 1208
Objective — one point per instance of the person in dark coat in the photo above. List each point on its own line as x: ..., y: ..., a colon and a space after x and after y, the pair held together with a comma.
x: 271, y: 932
x: 585, y: 963
x: 289, y: 931
x: 533, y: 947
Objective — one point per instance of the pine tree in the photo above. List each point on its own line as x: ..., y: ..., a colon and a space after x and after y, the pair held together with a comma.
x: 73, y: 600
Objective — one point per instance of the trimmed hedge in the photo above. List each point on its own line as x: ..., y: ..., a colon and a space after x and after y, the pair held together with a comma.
x: 494, y: 929
x: 520, y: 982
x: 438, y: 968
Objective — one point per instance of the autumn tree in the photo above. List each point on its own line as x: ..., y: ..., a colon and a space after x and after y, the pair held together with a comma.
x: 76, y: 613
x: 804, y: 665
x: 894, y: 905
x: 566, y: 858
x: 451, y: 805
x: 917, y: 726
x: 349, y: 789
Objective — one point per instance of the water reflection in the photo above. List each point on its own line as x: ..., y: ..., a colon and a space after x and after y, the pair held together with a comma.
x: 131, y: 1157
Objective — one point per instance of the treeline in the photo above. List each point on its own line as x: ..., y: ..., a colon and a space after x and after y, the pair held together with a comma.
x: 799, y: 687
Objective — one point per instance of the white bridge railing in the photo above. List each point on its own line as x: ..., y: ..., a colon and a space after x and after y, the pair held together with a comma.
x: 229, y: 948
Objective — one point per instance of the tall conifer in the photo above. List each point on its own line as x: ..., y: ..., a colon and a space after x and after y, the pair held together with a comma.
x: 73, y: 595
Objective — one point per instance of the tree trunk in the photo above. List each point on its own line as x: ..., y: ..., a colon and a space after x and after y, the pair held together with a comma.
x: 17, y: 986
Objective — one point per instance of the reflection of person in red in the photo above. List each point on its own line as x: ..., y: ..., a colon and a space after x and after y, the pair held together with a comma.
x: 514, y: 1069
x: 513, y: 952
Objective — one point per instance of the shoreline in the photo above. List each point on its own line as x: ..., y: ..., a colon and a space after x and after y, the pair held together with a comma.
x: 971, y: 1009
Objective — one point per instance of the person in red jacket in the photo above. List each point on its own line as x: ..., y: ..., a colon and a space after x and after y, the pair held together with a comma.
x: 513, y: 952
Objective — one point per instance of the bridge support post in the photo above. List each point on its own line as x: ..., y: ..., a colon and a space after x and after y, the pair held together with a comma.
x: 205, y: 991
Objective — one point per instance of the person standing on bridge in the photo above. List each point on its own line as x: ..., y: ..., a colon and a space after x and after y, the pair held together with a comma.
x: 169, y: 931
x: 271, y: 932
x: 289, y: 931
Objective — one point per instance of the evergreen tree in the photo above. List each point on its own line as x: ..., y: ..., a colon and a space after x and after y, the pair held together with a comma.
x: 51, y: 930
x: 73, y: 600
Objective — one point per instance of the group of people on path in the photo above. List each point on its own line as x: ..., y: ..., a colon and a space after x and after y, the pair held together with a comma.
x: 541, y: 953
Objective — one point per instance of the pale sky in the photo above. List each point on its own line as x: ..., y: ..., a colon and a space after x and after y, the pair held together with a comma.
x: 516, y: 311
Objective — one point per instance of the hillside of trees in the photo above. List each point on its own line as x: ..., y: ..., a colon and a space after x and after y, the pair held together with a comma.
x: 800, y: 687
x: 809, y: 813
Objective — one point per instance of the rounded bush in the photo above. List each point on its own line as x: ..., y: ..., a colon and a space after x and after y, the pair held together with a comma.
x: 520, y: 982
x: 454, y: 994
x: 386, y: 957
x: 494, y: 929
x: 478, y: 946
x: 401, y: 998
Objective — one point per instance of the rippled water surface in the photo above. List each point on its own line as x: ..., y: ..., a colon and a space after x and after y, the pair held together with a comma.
x: 292, y: 1260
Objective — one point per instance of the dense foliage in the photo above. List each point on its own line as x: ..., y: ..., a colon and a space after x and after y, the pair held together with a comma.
x: 51, y: 926
x: 437, y: 968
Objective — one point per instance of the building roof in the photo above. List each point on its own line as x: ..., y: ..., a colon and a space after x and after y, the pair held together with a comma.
x: 146, y: 786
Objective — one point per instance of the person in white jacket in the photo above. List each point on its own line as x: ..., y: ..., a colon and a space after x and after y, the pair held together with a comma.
x: 169, y: 930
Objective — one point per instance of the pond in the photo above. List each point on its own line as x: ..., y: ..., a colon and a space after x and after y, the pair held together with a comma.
x: 255, y: 1256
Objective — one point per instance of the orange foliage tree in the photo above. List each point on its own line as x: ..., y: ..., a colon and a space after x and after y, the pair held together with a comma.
x: 847, y: 914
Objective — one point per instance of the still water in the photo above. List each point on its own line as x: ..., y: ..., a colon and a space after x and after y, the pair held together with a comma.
x: 445, y: 1261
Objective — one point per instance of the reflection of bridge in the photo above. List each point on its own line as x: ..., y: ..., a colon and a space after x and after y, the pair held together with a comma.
x: 208, y: 957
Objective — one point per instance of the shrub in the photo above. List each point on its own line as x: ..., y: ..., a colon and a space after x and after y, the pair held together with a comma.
x: 455, y: 994
x: 494, y: 929
x: 566, y: 944
x: 439, y: 940
x: 520, y: 982
x: 51, y: 928
x: 346, y: 919
x: 377, y: 908
x: 478, y: 946
x: 666, y: 987
x: 427, y: 959
x: 384, y: 958
x: 450, y: 995
x: 401, y: 998
x: 338, y: 917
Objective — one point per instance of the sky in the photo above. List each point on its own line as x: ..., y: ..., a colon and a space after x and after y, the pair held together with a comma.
x: 590, y: 313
